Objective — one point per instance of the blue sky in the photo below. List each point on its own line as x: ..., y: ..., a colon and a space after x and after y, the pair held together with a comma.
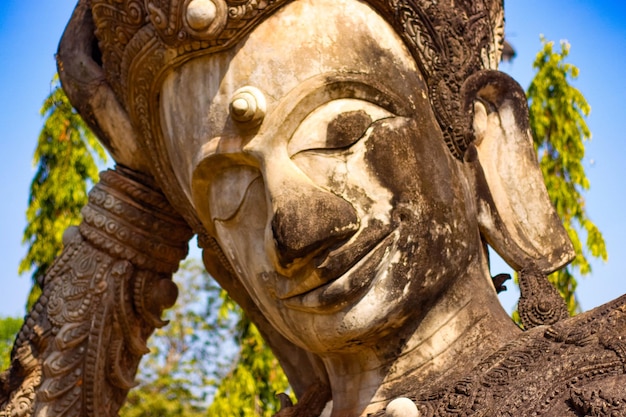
x: 596, y: 30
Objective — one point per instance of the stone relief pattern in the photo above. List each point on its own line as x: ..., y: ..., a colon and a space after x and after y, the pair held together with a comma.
x: 540, y: 302
x: 120, y: 21
x: 586, y: 358
x: 444, y: 42
x: 128, y: 30
x: 598, y: 403
x: 79, y: 348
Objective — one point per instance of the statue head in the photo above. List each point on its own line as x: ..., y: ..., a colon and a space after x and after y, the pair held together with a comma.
x: 343, y: 162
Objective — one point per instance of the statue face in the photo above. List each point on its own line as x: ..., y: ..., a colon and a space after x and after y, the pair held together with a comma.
x: 340, y: 209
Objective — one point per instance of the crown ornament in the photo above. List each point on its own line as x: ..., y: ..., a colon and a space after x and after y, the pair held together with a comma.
x: 164, y: 33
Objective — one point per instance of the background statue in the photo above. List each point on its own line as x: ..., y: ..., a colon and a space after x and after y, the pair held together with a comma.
x: 344, y: 165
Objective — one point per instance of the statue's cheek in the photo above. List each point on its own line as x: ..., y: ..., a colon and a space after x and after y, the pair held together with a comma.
x: 410, y: 159
x: 394, y: 156
x: 428, y: 197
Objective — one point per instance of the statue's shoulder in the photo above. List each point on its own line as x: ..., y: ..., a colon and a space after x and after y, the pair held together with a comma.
x: 573, y: 368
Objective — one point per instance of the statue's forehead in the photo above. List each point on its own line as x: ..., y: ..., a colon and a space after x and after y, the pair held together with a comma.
x: 302, y: 41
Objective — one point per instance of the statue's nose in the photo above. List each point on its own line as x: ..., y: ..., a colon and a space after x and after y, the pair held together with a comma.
x: 308, y: 220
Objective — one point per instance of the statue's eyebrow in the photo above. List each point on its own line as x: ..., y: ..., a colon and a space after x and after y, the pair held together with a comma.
x: 293, y: 107
x: 222, y: 144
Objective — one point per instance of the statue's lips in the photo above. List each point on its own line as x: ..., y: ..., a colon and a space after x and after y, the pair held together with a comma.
x: 325, y: 267
x: 349, y: 286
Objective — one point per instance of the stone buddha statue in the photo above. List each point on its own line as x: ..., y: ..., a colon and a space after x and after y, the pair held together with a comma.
x: 345, y: 164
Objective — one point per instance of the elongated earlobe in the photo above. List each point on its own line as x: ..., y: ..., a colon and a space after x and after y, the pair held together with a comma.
x: 515, y: 214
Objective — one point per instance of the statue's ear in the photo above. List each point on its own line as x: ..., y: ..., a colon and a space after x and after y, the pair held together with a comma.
x: 515, y: 214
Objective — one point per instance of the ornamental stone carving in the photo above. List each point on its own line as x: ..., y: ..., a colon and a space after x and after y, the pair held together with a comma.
x: 344, y: 164
x: 78, y: 351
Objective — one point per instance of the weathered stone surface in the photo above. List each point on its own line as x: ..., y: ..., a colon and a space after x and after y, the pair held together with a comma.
x: 344, y: 164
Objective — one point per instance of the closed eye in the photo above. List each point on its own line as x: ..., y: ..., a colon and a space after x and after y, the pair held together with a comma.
x: 347, y: 128
x: 336, y: 125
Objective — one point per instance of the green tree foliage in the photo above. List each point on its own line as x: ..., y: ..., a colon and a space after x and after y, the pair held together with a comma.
x: 9, y: 326
x: 250, y: 389
x: 210, y: 355
x: 188, y: 356
x: 557, y: 119
x: 66, y: 158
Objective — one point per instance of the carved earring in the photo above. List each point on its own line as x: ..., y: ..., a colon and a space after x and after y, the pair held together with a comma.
x: 204, y: 19
x: 540, y: 303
